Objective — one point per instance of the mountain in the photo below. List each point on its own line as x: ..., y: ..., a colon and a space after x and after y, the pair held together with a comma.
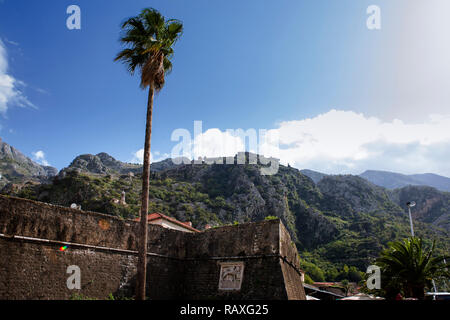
x: 342, y: 220
x: 314, y: 175
x: 17, y: 168
x: 339, y: 223
x: 103, y: 163
x: 392, y: 180
x: 357, y: 194
x: 433, y: 180
x: 432, y: 206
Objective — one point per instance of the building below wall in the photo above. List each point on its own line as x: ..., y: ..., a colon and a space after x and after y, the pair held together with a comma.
x: 44, y: 248
x: 170, y: 223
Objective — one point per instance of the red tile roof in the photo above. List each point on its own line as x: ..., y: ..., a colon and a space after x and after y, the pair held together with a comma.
x: 156, y: 216
x: 326, y: 284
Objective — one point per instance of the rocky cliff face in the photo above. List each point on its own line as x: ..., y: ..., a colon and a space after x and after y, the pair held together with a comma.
x: 103, y: 163
x: 357, y: 193
x: 17, y: 168
x: 432, y: 205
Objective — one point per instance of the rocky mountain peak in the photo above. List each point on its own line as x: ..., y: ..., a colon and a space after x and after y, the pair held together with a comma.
x: 15, y: 167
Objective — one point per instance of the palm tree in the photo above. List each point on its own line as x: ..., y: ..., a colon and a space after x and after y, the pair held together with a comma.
x: 149, y: 40
x: 407, y: 266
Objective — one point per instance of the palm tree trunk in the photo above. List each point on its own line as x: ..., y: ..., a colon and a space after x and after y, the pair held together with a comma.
x: 419, y: 292
x: 142, y: 256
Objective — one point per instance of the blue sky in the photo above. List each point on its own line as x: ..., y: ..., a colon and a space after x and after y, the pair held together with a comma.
x: 276, y: 65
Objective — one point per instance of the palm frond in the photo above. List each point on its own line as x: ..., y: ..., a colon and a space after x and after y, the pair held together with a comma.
x: 148, y: 39
x: 410, y: 265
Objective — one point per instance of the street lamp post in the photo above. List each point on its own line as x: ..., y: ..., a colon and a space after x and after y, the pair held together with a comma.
x: 410, y: 205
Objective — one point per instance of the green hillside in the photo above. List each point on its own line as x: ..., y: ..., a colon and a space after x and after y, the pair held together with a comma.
x: 339, y: 225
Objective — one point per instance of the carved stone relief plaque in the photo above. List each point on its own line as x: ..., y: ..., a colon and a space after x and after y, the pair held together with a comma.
x: 231, y: 274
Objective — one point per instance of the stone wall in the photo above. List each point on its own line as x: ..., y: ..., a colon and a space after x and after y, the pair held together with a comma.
x: 255, y: 244
x: 180, y: 265
x: 290, y: 266
x: 35, y: 271
x: 102, y: 246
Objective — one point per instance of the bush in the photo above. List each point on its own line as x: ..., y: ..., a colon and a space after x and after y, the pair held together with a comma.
x: 313, y: 271
x: 308, y: 279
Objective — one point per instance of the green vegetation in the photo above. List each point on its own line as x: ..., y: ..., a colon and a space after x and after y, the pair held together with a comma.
x: 408, y: 267
x: 339, y: 226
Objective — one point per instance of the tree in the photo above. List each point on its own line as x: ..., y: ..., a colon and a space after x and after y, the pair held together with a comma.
x: 354, y: 275
x: 345, y: 285
x: 313, y: 271
x: 408, y: 267
x: 149, y: 40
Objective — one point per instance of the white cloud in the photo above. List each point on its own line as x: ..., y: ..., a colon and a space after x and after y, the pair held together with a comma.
x: 41, y: 91
x: 10, y: 88
x: 348, y: 142
x: 39, y: 156
x: 215, y: 143
x: 14, y: 43
x: 138, y: 156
